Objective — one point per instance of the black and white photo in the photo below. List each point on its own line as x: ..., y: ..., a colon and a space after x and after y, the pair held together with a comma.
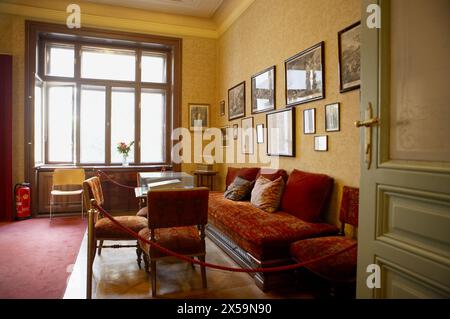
x: 260, y: 133
x: 263, y: 91
x: 236, y: 101
x: 332, y: 117
x: 349, y: 41
x: 224, y: 131
x: 281, y: 133
x: 321, y: 143
x: 235, y: 131
x: 309, y: 121
x: 305, y: 80
x: 247, y: 135
x: 198, y: 116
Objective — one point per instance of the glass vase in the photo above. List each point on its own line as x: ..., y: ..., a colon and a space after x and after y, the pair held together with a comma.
x: 125, y: 160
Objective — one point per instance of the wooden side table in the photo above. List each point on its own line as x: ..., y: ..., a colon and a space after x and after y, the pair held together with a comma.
x: 205, y: 178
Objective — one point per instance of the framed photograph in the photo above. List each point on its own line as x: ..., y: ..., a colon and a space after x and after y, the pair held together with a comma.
x: 263, y: 91
x: 247, y: 135
x: 224, y: 131
x: 321, y: 143
x: 235, y: 131
x: 305, y: 76
x: 222, y: 108
x: 349, y: 43
x: 309, y: 121
x: 281, y: 133
x: 332, y: 117
x: 260, y: 134
x: 198, y: 116
x: 236, y: 101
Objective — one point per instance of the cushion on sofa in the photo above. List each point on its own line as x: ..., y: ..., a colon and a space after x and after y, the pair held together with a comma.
x: 266, y: 194
x: 248, y: 173
x: 264, y: 235
x: 272, y: 174
x: 240, y: 189
x: 306, y: 195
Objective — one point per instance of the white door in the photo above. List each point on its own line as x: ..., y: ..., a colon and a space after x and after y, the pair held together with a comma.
x: 404, y: 224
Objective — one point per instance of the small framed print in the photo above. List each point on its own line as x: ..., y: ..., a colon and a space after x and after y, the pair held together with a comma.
x: 247, y: 135
x: 198, y: 116
x: 332, y: 117
x: 263, y: 91
x: 235, y: 131
x: 309, y: 121
x: 224, y: 131
x: 236, y: 101
x: 321, y: 143
x: 260, y: 134
x: 222, y: 108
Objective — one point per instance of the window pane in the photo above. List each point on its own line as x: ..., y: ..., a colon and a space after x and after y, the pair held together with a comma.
x: 38, y: 124
x: 60, y: 60
x: 92, y: 125
x: 153, y: 68
x: 108, y: 64
x: 122, y: 122
x: 152, y: 127
x: 60, y: 123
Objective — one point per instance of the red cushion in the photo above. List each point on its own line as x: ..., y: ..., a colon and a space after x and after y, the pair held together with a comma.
x: 306, y: 195
x: 248, y: 173
x: 339, y: 267
x: 272, y: 174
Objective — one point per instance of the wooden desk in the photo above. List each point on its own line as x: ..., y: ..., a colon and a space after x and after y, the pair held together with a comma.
x: 205, y: 178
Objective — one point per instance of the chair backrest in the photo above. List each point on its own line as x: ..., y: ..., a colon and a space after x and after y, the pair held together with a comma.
x: 92, y: 189
x: 68, y: 176
x: 177, y: 207
x: 349, y: 206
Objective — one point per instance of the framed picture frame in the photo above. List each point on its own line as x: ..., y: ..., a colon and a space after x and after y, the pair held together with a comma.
x: 332, y: 117
x: 224, y: 132
x: 305, y: 76
x: 321, y: 143
x: 309, y: 121
x: 281, y: 133
x: 263, y: 91
x: 222, y: 108
x: 247, y: 135
x: 259, y: 133
x: 235, y: 131
x: 349, y: 45
x: 236, y: 102
x: 198, y: 116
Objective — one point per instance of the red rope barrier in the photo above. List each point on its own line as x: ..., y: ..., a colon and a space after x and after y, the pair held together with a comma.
x: 198, y: 262
x: 100, y: 173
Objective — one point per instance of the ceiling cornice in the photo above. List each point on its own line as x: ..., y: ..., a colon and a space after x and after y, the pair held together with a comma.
x: 128, y: 24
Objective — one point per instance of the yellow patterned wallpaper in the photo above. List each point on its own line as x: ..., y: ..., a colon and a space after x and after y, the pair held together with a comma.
x: 266, y: 34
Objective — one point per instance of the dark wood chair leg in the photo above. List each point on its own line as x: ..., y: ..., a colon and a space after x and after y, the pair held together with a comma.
x: 203, y: 270
x: 146, y: 263
x: 153, y: 275
x: 100, y: 246
x: 139, y: 255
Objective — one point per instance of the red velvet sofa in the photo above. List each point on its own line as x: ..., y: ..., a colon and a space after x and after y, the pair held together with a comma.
x: 255, y: 238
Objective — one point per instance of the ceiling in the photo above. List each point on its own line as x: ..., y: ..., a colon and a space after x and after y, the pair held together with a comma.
x: 196, y: 8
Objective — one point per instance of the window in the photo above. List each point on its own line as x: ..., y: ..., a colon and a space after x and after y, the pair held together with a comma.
x: 112, y: 95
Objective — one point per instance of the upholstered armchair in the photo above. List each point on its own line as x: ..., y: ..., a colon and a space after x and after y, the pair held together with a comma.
x: 176, y: 221
x: 101, y: 229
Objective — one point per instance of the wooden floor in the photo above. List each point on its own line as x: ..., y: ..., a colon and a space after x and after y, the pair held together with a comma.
x: 116, y: 275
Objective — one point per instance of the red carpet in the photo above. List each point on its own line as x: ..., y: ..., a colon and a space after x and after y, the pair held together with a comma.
x: 35, y: 255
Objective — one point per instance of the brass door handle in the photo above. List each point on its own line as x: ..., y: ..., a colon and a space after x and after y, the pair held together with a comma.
x: 367, y: 123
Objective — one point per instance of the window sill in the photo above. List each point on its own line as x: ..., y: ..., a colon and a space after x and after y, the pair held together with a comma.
x: 108, y: 168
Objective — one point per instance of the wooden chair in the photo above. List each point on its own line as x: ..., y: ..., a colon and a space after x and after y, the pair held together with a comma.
x: 176, y: 221
x: 101, y: 228
x: 67, y: 177
x: 340, y: 270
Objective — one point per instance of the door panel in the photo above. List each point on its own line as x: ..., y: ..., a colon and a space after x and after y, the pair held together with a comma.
x: 404, y: 223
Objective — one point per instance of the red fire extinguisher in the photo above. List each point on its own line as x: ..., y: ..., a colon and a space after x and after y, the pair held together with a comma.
x: 22, y: 192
